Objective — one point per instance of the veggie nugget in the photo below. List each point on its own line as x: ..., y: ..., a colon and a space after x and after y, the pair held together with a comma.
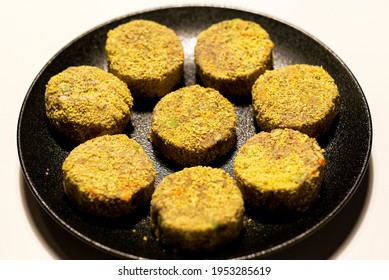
x: 109, y: 176
x: 193, y: 125
x: 85, y: 101
x: 281, y: 169
x: 302, y: 97
x: 230, y: 56
x: 147, y: 56
x: 197, y: 209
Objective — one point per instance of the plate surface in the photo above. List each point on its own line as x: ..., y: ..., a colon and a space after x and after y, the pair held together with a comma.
x: 348, y: 144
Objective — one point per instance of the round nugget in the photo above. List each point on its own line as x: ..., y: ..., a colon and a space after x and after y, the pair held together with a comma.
x: 197, y: 209
x: 302, y: 97
x: 85, y: 101
x: 109, y: 176
x: 281, y: 169
x: 230, y: 56
x: 147, y: 56
x: 193, y: 126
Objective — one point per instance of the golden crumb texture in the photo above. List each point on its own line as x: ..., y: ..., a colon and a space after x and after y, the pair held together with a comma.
x: 148, y: 56
x: 193, y: 125
x: 281, y: 169
x: 302, y: 97
x: 230, y: 55
x: 109, y: 176
x: 197, y: 208
x: 83, y: 102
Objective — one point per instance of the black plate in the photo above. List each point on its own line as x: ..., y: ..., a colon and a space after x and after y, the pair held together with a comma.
x: 42, y: 150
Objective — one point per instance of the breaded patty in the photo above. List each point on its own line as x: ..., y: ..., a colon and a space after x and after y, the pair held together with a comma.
x: 193, y: 126
x: 281, y: 169
x: 302, y: 97
x: 83, y: 102
x: 197, y: 209
x: 109, y: 176
x: 147, y: 56
x: 230, y: 55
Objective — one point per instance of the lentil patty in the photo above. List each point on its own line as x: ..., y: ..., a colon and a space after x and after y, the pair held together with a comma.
x: 193, y: 125
x: 281, y: 169
x: 230, y: 55
x: 197, y: 209
x: 85, y: 101
x: 147, y: 56
x: 302, y: 97
x: 109, y: 176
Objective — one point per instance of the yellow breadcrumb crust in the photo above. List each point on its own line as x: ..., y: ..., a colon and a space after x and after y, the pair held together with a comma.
x: 302, y: 97
x: 193, y: 125
x: 230, y: 55
x: 147, y: 56
x: 109, y: 176
x: 280, y: 169
x: 83, y: 102
x: 197, y: 208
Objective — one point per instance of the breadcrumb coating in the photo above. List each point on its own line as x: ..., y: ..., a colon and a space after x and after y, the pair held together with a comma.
x: 83, y: 102
x: 280, y: 169
x: 302, y: 97
x: 147, y: 56
x: 198, y: 208
x: 230, y: 56
x: 109, y: 176
x: 193, y: 125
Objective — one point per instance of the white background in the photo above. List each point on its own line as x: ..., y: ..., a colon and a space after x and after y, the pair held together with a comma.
x: 33, y: 31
